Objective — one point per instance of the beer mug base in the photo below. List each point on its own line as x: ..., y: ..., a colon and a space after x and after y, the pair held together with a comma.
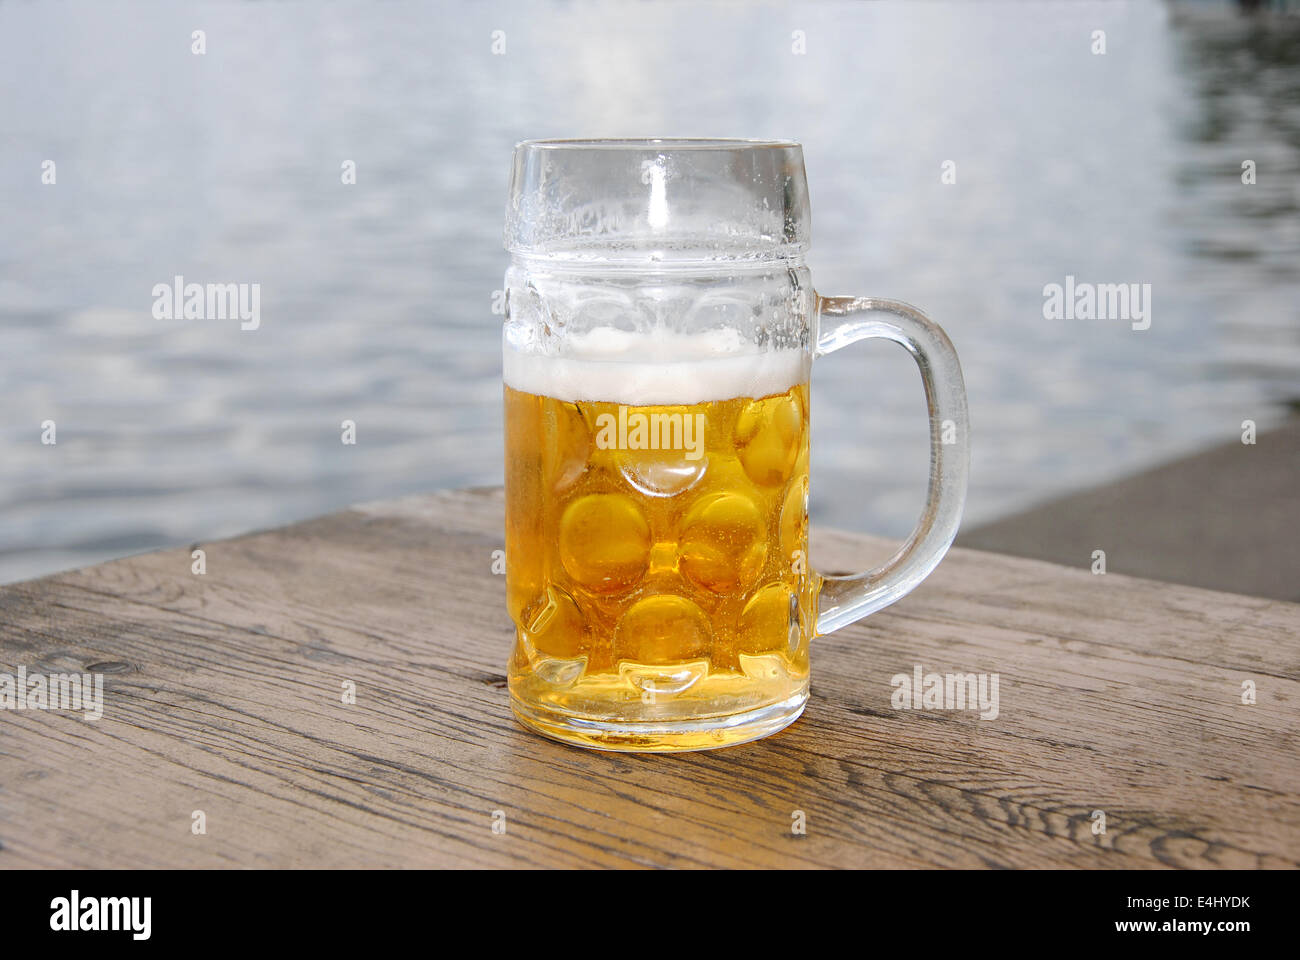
x: 662, y: 736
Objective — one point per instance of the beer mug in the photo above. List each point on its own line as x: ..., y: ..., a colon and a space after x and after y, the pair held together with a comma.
x: 660, y: 329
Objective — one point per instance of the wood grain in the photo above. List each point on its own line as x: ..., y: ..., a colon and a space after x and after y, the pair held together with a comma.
x: 223, y: 693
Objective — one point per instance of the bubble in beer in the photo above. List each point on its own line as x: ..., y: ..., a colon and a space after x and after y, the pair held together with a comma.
x: 554, y: 626
x: 765, y: 623
x: 661, y: 473
x: 767, y: 438
x: 604, y: 542
x: 794, y: 521
x: 663, y: 629
x: 568, y: 448
x: 723, y: 543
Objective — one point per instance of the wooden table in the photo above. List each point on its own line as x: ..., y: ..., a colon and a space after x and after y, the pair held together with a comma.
x: 224, y: 694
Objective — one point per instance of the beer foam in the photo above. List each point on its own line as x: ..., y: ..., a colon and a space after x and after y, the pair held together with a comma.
x: 637, y: 369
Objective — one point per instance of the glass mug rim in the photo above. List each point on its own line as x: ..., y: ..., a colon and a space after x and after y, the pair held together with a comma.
x: 673, y: 143
x: 659, y: 202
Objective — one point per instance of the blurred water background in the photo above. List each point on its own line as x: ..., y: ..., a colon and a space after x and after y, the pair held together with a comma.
x: 376, y: 297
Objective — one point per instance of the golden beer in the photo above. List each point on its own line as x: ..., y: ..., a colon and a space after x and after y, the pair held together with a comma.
x: 656, y: 564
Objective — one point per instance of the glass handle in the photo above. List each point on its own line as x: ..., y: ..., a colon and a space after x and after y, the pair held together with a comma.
x: 844, y: 320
